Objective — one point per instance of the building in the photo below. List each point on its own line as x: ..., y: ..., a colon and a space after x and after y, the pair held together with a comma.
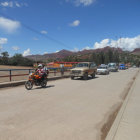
x: 57, y: 64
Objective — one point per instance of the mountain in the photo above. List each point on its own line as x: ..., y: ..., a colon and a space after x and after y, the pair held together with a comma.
x: 58, y: 55
x: 64, y: 53
x: 136, y: 51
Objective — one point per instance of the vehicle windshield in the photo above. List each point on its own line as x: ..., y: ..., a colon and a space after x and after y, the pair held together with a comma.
x: 111, y: 65
x: 82, y: 65
x: 102, y: 67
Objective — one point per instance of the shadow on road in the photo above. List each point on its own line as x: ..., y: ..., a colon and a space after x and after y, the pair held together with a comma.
x: 49, y: 86
x: 89, y: 78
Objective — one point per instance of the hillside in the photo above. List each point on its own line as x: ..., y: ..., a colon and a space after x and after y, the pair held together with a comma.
x: 136, y: 51
x: 65, y: 53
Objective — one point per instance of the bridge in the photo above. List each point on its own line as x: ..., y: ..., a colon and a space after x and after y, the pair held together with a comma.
x: 66, y: 109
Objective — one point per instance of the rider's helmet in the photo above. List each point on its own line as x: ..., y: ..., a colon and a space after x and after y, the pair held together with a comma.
x: 40, y: 66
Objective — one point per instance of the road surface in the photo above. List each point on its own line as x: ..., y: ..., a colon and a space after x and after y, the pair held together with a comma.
x: 65, y: 110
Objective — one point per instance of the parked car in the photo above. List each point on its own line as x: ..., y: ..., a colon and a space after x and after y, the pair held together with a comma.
x: 103, y: 69
x: 84, y: 69
x: 122, y: 67
x: 134, y: 66
x: 113, y: 67
x: 126, y: 67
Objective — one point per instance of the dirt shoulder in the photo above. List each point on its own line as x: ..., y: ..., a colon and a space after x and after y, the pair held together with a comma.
x: 14, y: 67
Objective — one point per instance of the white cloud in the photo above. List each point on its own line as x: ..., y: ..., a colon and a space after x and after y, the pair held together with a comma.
x: 45, y: 52
x: 82, y: 2
x: 123, y: 43
x: 35, y: 38
x: 1, y: 48
x: 57, y: 51
x: 12, y: 4
x: 44, y: 32
x: 7, y: 4
x: 27, y: 52
x: 15, y: 48
x: 75, y: 50
x: 9, y: 25
x: 17, y: 4
x: 75, y: 23
x: 102, y: 44
x: 87, y: 48
x: 3, y: 41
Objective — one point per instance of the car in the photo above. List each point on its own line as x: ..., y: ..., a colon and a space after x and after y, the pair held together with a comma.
x: 113, y: 67
x: 103, y: 69
x: 83, y: 70
x: 122, y: 67
x: 134, y: 66
x: 126, y: 67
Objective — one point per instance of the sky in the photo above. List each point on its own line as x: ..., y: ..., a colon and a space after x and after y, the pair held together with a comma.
x: 46, y: 26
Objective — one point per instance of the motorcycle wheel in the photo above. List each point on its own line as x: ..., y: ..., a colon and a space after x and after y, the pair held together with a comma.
x: 28, y: 85
x: 44, y: 83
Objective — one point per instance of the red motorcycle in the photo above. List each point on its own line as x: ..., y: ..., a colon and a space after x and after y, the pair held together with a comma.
x: 35, y: 79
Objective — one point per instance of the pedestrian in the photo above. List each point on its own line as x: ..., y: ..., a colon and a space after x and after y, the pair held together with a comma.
x: 62, y: 69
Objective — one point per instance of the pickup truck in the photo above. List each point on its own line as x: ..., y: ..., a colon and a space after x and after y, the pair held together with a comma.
x: 84, y: 69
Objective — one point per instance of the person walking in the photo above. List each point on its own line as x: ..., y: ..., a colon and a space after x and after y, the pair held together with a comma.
x: 62, y: 69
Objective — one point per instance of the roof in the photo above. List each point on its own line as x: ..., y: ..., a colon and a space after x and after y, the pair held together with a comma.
x: 67, y: 62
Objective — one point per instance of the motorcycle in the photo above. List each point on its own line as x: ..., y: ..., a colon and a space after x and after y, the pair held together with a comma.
x: 35, y: 79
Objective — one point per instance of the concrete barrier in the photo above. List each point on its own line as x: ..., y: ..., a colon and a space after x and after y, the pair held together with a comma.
x: 22, y: 82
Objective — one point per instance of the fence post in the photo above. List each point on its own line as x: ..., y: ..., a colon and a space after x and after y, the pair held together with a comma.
x: 10, y: 74
x: 55, y: 72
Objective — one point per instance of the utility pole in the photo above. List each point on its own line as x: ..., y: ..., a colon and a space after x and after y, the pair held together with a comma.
x: 0, y: 49
x: 120, y: 42
x: 116, y: 45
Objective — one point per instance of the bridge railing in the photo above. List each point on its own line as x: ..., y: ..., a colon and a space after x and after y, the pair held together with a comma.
x: 7, y: 75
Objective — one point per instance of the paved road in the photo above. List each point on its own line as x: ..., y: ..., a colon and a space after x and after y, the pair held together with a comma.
x: 65, y: 110
x: 127, y: 123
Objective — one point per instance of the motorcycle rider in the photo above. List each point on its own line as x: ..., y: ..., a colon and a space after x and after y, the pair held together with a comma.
x: 41, y: 72
x: 45, y: 69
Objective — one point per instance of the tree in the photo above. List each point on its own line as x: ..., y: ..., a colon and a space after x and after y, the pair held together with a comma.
x: 5, y: 58
x: 19, y: 60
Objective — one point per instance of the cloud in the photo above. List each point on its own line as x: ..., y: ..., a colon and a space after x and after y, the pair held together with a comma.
x: 15, y: 48
x: 12, y: 4
x: 87, y: 48
x: 9, y: 25
x: 1, y: 48
x: 7, y: 4
x: 82, y: 2
x: 27, y: 52
x: 75, y: 50
x: 45, y: 52
x: 102, y: 44
x: 3, y: 41
x: 44, y: 32
x: 123, y: 43
x: 35, y: 38
x: 57, y: 51
x: 75, y: 23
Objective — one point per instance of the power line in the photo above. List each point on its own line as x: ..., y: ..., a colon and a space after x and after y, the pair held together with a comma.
x: 38, y: 32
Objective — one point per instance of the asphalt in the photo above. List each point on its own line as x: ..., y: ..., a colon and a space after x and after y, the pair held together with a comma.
x: 127, y: 123
x: 64, y: 110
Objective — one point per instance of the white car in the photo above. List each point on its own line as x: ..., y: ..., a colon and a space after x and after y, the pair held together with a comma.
x: 113, y: 67
x: 103, y: 69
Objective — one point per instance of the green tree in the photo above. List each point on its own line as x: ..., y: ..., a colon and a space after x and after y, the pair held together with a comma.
x: 19, y: 60
x: 5, y: 57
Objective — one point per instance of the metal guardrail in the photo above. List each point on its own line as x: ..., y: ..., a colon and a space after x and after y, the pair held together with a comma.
x: 10, y: 75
